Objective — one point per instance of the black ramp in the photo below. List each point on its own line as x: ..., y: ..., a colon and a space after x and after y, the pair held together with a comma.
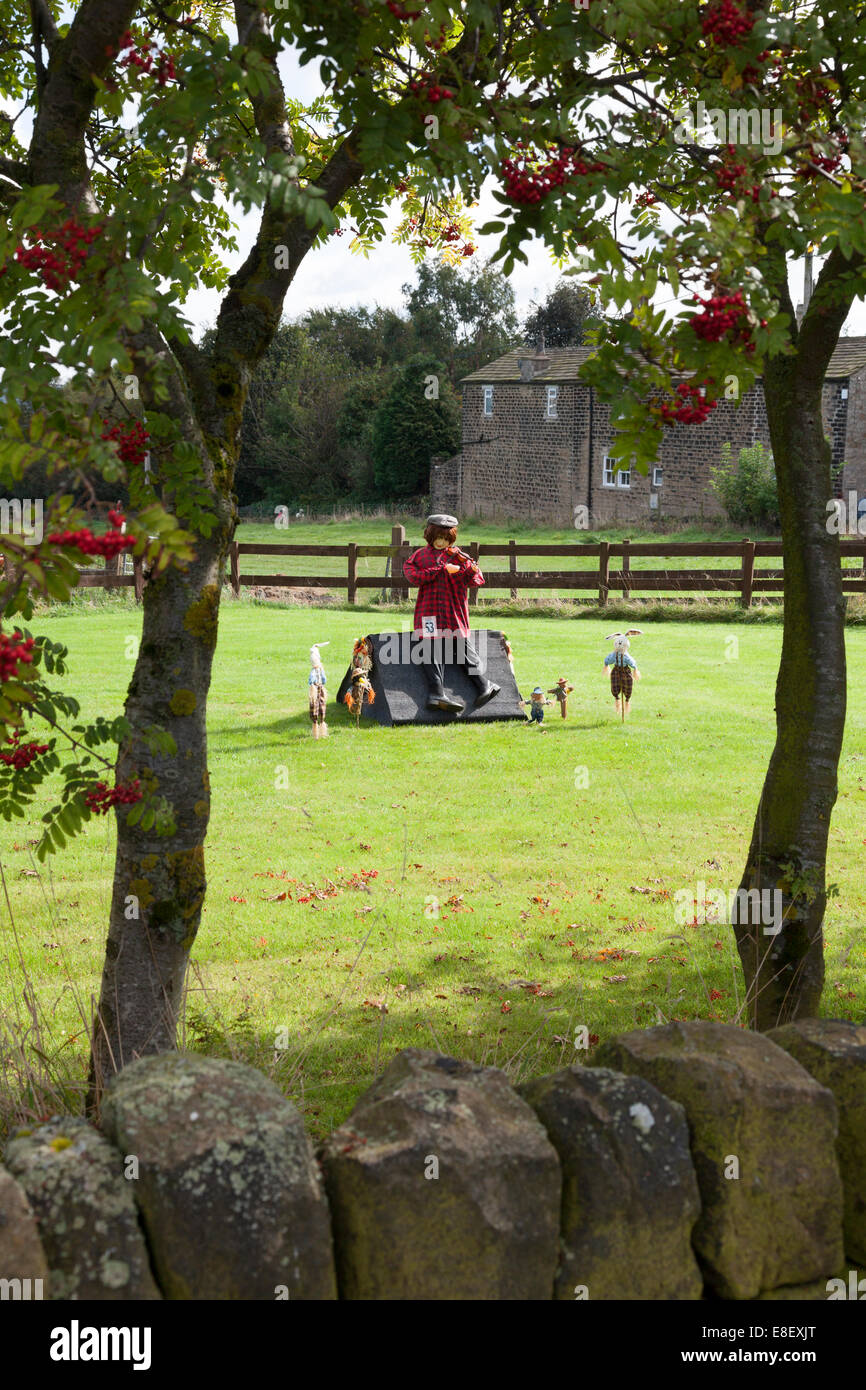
x: 401, y: 690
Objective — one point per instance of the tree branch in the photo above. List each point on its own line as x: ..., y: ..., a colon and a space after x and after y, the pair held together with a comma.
x: 57, y: 147
x: 251, y: 310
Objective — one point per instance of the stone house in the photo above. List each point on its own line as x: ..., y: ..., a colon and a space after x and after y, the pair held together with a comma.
x: 535, y: 445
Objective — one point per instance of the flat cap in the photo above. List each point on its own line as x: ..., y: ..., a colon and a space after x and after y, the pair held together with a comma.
x: 441, y: 519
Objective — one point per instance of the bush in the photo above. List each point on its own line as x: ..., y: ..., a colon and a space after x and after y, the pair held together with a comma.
x: 748, y: 492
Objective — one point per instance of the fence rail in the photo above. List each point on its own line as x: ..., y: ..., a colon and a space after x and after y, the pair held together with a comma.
x: 745, y: 581
x: 604, y: 578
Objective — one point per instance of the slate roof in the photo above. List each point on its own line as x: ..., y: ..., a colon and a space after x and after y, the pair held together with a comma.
x: 849, y: 357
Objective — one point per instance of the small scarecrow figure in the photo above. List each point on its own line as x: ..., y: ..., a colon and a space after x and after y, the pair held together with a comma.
x: 317, y: 692
x: 561, y: 691
x: 536, y: 703
x: 361, y: 691
x: 618, y: 665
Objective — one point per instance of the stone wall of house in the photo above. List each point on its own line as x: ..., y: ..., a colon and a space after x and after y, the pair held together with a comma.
x: 446, y: 485
x: 688, y: 1160
x: 517, y: 463
x: 854, y: 452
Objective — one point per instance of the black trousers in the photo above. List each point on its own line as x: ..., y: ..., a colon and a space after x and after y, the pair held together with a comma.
x: 434, y: 654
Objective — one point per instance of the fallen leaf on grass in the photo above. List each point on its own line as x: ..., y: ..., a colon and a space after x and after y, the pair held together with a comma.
x: 275, y: 897
x: 505, y: 1007
x: 440, y: 996
x: 615, y: 979
x: 235, y: 899
x: 469, y: 989
x: 375, y: 1004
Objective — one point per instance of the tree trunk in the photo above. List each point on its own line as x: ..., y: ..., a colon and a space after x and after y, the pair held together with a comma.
x: 159, y: 881
x: 784, y: 968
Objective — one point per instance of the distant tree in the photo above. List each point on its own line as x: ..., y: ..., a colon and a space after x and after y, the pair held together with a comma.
x: 463, y: 315
x: 418, y: 418
x: 563, y: 317
x: 355, y: 430
x: 374, y: 337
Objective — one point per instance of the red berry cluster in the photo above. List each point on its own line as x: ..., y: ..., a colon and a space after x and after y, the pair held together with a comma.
x: 645, y: 200
x: 829, y: 163
x: 141, y: 56
x: 424, y: 85
x: 103, y: 797
x: 729, y: 174
x: 812, y: 96
x: 113, y: 543
x: 726, y: 24
x: 400, y: 12
x: 58, y: 256
x: 524, y: 184
x: 14, y: 653
x: 131, y: 439
x: 722, y: 316
x: 692, y: 408
x: 23, y: 754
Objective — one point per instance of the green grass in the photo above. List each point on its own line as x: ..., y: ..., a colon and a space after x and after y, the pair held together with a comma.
x: 554, y: 899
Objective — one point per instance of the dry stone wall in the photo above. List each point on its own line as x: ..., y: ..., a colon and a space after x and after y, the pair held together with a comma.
x: 690, y: 1160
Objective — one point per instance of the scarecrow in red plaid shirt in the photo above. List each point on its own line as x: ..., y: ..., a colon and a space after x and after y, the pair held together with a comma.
x: 444, y: 575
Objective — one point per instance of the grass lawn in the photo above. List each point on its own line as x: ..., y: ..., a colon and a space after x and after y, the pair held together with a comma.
x: 484, y: 891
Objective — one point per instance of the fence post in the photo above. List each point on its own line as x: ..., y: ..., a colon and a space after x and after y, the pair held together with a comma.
x: 512, y: 563
x: 398, y: 537
x: 603, y: 573
x: 748, y: 572
x: 138, y: 577
x: 473, y: 593
x: 626, y: 567
x: 352, y: 550
x: 235, y: 569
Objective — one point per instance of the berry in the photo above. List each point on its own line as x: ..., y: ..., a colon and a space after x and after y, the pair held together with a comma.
x: 725, y: 24
x: 113, y: 543
x: 14, y: 653
x: 723, y: 316
x: 691, y: 408
x: 526, y: 185
x: 59, y: 263
x: 131, y: 439
x: 103, y: 797
x: 23, y: 754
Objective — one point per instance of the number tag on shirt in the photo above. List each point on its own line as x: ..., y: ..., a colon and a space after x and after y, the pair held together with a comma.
x: 428, y: 627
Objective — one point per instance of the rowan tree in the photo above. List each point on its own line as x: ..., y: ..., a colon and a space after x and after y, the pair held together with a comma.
x: 150, y: 123
x: 716, y: 219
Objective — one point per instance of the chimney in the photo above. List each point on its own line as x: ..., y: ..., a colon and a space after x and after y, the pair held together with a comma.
x: 537, y: 365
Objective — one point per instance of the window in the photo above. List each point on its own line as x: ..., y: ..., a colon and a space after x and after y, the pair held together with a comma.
x: 615, y: 475
x: 552, y: 397
x: 657, y: 477
x: 488, y: 400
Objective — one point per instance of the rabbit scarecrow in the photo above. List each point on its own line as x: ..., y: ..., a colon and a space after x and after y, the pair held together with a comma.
x: 622, y: 669
x: 318, y: 697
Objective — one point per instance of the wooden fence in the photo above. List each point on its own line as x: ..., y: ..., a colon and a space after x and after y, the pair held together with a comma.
x: 603, y: 579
